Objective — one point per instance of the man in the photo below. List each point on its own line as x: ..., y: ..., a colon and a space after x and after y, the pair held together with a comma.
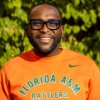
x: 48, y: 71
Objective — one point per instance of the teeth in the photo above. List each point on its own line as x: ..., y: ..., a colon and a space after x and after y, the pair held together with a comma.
x: 45, y: 38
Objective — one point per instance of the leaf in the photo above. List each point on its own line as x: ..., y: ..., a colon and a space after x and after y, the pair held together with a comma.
x: 85, y: 17
x: 67, y: 15
x: 90, y: 53
x: 5, y: 36
x: 94, y: 20
x: 13, y: 3
x: 76, y: 29
x: 17, y: 51
x: 98, y: 56
x: 26, y: 41
x: 7, y: 47
x: 83, y: 1
x: 99, y: 14
x: 20, y: 13
x: 75, y: 14
x: 76, y: 2
x: 17, y: 3
x: 2, y: 61
x: 67, y: 28
x: 88, y: 24
x: 65, y: 45
x: 81, y: 46
x: 68, y: 31
x: 93, y: 16
x: 83, y: 28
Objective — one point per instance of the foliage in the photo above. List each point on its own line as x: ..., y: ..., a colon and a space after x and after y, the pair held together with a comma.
x: 81, y: 20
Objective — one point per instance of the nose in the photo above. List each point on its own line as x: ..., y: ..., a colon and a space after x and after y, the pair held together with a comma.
x: 44, y: 29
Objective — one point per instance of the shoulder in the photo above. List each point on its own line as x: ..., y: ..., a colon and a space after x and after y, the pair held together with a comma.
x: 16, y: 61
x: 71, y: 53
x: 15, y: 66
x: 86, y: 64
x: 83, y: 59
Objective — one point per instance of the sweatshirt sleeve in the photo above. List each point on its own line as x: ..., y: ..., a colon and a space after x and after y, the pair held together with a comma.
x: 94, y: 86
x: 4, y: 94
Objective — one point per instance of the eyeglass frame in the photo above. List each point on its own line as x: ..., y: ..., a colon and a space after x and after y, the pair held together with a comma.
x: 60, y: 23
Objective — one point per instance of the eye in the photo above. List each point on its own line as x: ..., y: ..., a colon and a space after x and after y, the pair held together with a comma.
x: 36, y: 24
x: 54, y: 22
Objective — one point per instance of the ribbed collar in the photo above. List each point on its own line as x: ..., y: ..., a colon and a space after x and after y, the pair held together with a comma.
x: 47, y: 59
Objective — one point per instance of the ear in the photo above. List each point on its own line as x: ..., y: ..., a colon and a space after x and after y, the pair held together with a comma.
x: 62, y: 31
x: 26, y: 29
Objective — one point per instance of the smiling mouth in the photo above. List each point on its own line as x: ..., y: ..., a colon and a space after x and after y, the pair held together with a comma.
x: 45, y: 39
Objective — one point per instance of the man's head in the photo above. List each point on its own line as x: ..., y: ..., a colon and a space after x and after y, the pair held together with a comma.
x: 45, y: 29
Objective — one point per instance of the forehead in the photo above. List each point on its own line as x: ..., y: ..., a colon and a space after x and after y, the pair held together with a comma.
x: 44, y: 12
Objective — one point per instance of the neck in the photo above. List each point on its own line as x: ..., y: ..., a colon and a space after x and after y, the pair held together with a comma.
x: 49, y: 54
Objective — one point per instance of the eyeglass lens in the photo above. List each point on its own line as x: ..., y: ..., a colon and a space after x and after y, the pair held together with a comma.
x: 51, y: 24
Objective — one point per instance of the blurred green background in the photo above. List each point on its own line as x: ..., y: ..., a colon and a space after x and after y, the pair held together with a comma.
x: 81, y: 24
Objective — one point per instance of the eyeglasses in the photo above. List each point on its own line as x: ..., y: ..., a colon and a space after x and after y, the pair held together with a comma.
x: 51, y: 24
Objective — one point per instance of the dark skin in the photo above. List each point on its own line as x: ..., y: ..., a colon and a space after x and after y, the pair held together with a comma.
x: 47, y: 40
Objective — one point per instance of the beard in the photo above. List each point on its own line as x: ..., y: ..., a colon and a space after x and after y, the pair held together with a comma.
x: 44, y: 51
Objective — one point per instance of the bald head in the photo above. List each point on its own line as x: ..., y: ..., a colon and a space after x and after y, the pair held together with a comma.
x: 44, y: 6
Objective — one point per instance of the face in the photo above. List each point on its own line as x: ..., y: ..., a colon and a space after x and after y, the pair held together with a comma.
x: 45, y: 40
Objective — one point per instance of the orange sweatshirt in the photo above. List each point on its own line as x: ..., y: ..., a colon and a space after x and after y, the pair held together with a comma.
x: 66, y: 76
